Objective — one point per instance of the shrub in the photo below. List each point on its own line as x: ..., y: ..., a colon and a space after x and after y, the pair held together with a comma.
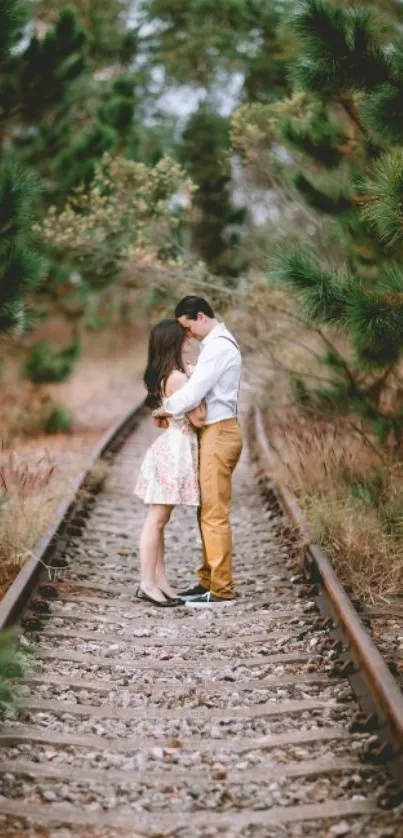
x: 11, y: 668
x: 59, y: 421
x: 46, y: 365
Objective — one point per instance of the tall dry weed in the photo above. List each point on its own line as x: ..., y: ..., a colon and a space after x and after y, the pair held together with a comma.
x: 24, y: 500
x: 352, y: 496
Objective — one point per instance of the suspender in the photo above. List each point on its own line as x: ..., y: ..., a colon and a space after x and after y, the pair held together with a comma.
x: 234, y: 343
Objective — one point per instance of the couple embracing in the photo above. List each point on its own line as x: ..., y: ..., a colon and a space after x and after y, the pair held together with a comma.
x: 192, y: 461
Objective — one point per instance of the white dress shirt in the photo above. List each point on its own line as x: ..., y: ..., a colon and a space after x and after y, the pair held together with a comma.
x: 216, y: 379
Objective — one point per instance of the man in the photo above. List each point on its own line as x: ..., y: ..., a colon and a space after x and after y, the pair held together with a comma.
x: 216, y: 379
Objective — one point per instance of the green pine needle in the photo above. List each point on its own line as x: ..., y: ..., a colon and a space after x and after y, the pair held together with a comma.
x: 382, y: 110
x: 326, y: 195
x: 341, y: 48
x: 375, y: 322
x: 13, y: 16
x: 322, y: 294
x: 315, y: 136
x: 12, y: 664
x: 384, y: 209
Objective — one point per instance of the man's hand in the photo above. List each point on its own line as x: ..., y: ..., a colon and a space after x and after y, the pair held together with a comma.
x: 160, y: 418
x: 160, y: 422
x: 159, y: 413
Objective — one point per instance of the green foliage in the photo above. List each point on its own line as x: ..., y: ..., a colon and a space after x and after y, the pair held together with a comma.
x: 219, y: 37
x: 316, y: 136
x: 385, y: 190
x: 105, y: 22
x: 216, y: 230
x: 126, y: 213
x: 54, y: 62
x: 341, y: 50
x: 375, y: 322
x: 328, y: 197
x: 12, y: 661
x: 369, y: 491
x: 77, y: 163
x: 64, y: 122
x: 13, y: 16
x: 46, y: 365
x: 20, y: 265
x: 322, y: 294
x: 59, y: 421
x: 346, y: 129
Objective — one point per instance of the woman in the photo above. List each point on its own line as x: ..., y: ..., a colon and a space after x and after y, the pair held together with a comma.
x: 170, y: 471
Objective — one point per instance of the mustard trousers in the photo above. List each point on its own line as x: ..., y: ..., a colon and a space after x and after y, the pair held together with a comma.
x: 220, y: 449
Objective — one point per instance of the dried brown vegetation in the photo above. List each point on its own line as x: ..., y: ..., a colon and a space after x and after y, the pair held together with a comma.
x: 25, y: 497
x: 352, y: 497
x: 349, y: 485
x: 36, y: 470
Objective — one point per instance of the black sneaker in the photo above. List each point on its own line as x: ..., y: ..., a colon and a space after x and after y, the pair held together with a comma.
x: 191, y: 593
x: 207, y: 600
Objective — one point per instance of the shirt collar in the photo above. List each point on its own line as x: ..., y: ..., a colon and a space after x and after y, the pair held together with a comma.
x: 218, y: 330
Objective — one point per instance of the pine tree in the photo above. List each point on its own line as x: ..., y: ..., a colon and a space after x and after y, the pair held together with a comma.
x: 20, y: 265
x: 67, y: 98
x: 238, y: 35
x: 346, y: 140
x: 111, y: 37
x: 216, y: 228
x: 203, y: 44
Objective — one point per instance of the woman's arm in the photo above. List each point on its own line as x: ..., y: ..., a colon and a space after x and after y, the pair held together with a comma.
x: 177, y: 380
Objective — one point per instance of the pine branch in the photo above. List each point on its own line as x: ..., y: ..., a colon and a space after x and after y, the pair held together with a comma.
x: 341, y: 48
x: 385, y: 191
x: 319, y: 198
x: 322, y: 294
x: 376, y: 327
x: 352, y: 111
x: 13, y: 16
x: 315, y: 136
x: 374, y: 391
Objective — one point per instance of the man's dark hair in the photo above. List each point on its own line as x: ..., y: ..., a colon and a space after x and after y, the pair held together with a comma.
x: 191, y: 306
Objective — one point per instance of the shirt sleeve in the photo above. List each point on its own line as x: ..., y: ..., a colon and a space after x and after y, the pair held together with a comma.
x: 207, y: 372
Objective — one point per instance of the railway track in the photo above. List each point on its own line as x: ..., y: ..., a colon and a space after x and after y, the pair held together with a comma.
x: 140, y: 721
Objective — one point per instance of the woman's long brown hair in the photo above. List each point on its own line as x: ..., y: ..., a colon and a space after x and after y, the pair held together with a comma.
x: 164, y: 355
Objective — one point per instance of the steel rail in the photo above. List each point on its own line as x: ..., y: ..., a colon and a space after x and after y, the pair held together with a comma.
x: 381, y: 685
x: 19, y: 592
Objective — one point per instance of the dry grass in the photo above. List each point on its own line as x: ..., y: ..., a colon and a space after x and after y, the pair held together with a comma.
x: 352, y: 498
x: 25, y: 497
x: 349, y: 486
x: 36, y: 470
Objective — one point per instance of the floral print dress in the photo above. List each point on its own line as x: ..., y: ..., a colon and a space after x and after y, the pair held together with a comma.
x: 170, y: 470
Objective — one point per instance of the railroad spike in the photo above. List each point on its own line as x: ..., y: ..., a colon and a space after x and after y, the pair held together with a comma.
x: 343, y: 668
x: 73, y: 530
x: 329, y: 623
x: 364, y: 723
x: 335, y: 645
x: 48, y: 591
x: 390, y: 796
x: 31, y: 622
x: 40, y: 606
x: 393, y: 666
x: 378, y: 752
x: 307, y: 590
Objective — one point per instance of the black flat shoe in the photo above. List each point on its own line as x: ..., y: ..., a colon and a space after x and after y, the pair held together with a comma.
x: 167, y: 603
x: 175, y: 599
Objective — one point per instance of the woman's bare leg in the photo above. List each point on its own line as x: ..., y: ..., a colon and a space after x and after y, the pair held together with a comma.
x: 160, y: 571
x: 150, y: 548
